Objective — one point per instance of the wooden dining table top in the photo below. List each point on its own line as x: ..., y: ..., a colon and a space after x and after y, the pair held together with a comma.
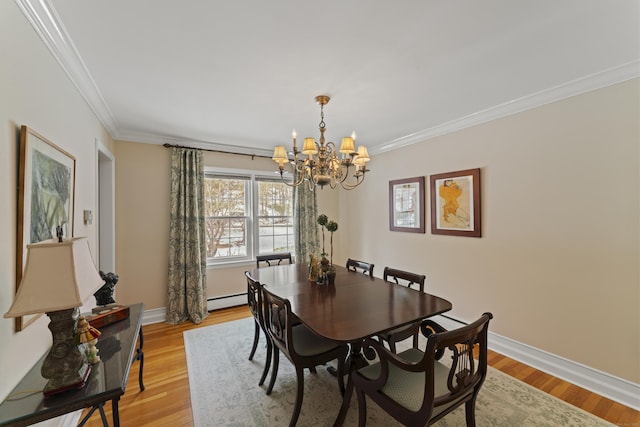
x: 355, y: 307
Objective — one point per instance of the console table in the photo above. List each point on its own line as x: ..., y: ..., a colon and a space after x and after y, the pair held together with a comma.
x: 107, y: 381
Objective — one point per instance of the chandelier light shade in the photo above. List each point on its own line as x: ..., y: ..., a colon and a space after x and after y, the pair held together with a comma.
x: 325, y: 164
x: 58, y: 277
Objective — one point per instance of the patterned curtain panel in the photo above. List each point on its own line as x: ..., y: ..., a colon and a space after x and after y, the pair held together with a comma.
x: 305, y: 212
x: 187, y: 247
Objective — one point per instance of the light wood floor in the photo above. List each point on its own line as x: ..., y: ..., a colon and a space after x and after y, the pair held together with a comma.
x: 166, y: 400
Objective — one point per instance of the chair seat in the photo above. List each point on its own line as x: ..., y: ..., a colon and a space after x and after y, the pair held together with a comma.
x: 308, y: 343
x: 407, y: 388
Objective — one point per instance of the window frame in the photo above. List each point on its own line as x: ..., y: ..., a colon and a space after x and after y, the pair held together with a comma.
x: 251, y: 199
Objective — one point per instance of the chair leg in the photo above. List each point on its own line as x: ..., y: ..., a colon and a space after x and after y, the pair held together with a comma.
x: 256, y: 336
x: 392, y: 346
x: 362, y: 408
x: 313, y: 370
x: 267, y: 363
x: 274, y: 370
x: 299, y: 396
x: 470, y: 412
x: 415, y: 341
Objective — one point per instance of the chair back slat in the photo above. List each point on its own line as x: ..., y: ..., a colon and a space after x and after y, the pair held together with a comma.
x: 360, y: 266
x: 270, y: 259
x: 254, y: 296
x: 465, y: 375
x: 405, y: 278
x: 277, y: 319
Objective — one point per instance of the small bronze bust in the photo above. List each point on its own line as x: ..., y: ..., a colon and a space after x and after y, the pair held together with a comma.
x: 104, y: 295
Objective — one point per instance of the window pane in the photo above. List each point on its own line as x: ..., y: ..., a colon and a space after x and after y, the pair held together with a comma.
x: 226, y: 217
x: 275, y: 217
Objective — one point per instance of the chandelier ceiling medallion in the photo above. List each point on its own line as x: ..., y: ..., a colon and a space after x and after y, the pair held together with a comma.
x: 325, y: 164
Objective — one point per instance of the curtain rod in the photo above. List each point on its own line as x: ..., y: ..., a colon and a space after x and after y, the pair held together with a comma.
x: 166, y: 145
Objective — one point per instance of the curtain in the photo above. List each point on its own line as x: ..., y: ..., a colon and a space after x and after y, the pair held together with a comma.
x: 305, y: 213
x: 187, y: 289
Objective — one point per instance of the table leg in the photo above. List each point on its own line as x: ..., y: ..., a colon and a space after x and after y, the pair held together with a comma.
x: 140, y: 357
x: 116, y: 413
x: 100, y: 407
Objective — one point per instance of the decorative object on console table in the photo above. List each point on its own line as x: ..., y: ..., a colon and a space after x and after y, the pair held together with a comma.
x: 107, y: 315
x: 104, y: 295
x: 58, y: 278
x: 87, y: 336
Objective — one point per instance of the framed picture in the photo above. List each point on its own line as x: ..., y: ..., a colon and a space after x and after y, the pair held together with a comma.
x: 455, y: 203
x: 46, y: 190
x: 406, y: 205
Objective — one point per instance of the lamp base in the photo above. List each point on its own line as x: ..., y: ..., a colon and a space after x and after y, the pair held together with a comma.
x: 65, y: 366
x: 55, y: 386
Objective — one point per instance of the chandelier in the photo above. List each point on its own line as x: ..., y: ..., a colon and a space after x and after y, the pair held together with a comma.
x: 324, y: 164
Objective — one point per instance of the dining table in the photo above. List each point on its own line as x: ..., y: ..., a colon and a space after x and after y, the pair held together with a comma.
x: 355, y: 307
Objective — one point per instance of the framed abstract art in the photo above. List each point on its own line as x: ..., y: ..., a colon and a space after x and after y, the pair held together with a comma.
x: 46, y: 191
x: 455, y: 203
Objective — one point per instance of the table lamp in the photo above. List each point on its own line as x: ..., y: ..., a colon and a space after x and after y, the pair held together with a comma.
x: 57, y: 278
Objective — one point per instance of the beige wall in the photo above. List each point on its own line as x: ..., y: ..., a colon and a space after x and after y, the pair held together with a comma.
x: 35, y: 91
x: 559, y: 258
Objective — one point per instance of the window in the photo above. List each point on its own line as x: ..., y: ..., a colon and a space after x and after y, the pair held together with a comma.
x: 246, y: 214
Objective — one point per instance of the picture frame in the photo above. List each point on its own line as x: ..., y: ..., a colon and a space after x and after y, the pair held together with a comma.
x: 455, y: 203
x: 46, y: 196
x: 406, y: 205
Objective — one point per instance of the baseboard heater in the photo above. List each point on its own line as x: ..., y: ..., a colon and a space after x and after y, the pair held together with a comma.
x: 226, y: 301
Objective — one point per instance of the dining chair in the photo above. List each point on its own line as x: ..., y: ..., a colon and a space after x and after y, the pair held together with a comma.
x: 254, y: 296
x: 303, y: 347
x: 272, y: 258
x: 360, y: 266
x: 408, y: 279
x: 416, y: 389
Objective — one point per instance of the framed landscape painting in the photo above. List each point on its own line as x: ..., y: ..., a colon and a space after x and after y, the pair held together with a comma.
x: 406, y: 205
x: 46, y: 190
x: 455, y: 203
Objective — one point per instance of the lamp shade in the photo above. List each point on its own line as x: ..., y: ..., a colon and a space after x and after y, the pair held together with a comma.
x: 279, y: 153
x: 57, y: 276
x: 348, y: 145
x: 309, y: 146
x: 363, y: 154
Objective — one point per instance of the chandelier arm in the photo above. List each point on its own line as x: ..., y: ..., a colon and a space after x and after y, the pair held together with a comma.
x: 348, y: 186
x: 359, y: 180
x: 294, y: 168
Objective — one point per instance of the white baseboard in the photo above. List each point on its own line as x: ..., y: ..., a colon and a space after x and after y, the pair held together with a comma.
x: 226, y: 301
x: 607, y: 385
x: 155, y: 315
x: 159, y: 315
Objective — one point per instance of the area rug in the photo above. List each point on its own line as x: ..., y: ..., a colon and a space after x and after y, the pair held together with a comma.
x: 225, y: 392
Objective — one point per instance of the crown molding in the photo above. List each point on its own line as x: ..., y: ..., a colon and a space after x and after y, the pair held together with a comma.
x: 47, y: 24
x: 566, y: 90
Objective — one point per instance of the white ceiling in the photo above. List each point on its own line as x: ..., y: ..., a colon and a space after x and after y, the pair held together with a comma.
x: 227, y: 74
